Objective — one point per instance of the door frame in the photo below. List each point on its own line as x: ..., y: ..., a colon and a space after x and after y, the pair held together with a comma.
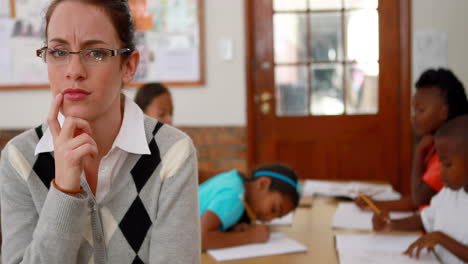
x: 403, y: 86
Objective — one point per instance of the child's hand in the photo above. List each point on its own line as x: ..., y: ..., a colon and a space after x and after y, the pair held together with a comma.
x: 425, y: 144
x: 380, y: 222
x: 259, y: 233
x: 427, y: 241
x: 362, y: 204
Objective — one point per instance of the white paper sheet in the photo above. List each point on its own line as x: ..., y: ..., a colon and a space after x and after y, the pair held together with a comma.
x: 378, y: 249
x: 430, y: 50
x: 26, y: 66
x: 4, y: 8
x: 286, y: 220
x: 350, y: 216
x: 380, y: 192
x: 278, y: 244
x: 178, y: 64
x: 31, y: 8
x: 383, y: 257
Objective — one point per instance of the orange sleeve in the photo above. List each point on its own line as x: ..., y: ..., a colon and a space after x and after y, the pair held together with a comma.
x: 432, y: 174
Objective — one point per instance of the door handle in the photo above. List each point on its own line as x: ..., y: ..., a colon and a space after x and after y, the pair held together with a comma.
x: 265, y: 97
x: 264, y: 100
x: 265, y: 108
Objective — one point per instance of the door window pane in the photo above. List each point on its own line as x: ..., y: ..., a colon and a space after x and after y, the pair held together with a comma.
x: 362, y: 30
x: 290, y: 37
x: 288, y: 5
x: 327, y: 89
x: 326, y: 37
x: 291, y: 90
x: 324, y: 4
x: 362, y: 88
x: 372, y: 4
x: 326, y: 57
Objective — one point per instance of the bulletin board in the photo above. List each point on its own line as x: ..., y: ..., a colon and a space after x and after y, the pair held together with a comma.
x: 171, y: 49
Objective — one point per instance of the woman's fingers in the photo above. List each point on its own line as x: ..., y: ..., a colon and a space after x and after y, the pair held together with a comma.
x: 52, y: 120
x: 80, y: 140
x: 71, y: 124
x: 73, y: 143
x: 76, y: 156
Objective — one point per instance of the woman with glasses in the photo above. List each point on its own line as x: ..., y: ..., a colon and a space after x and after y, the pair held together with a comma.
x: 99, y: 182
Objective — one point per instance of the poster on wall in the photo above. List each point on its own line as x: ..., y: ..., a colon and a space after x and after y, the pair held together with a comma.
x: 168, y: 36
x: 6, y: 27
x: 170, y: 46
x: 430, y: 50
x: 4, y: 8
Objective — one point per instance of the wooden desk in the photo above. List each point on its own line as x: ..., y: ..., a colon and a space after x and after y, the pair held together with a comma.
x: 311, y: 227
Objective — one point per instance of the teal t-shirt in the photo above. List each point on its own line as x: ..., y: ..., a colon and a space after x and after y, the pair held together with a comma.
x: 222, y: 194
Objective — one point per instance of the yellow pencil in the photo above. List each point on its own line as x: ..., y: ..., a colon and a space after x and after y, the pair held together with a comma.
x: 372, y: 206
x: 250, y: 212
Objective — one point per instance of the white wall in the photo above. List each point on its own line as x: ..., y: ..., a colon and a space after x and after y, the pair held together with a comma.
x: 446, y: 16
x: 220, y: 102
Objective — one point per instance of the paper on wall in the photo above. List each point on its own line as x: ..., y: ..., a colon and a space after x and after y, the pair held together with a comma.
x: 430, y: 50
x: 4, y: 8
x: 6, y: 27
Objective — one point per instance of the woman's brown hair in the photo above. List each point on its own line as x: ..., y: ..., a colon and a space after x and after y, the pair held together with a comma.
x: 119, y: 13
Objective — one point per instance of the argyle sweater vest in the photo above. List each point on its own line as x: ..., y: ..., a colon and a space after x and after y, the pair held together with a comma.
x: 150, y: 214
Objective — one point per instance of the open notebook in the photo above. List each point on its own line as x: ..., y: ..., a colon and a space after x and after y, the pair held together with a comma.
x: 379, y: 192
x: 350, y: 216
x: 379, y: 249
x: 276, y: 245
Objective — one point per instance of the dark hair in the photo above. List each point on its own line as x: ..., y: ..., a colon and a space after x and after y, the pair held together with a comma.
x: 119, y: 13
x: 148, y: 92
x: 279, y: 185
x: 451, y: 90
x: 456, y: 131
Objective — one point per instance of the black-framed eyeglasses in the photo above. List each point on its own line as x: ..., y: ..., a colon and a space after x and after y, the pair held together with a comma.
x: 91, y: 56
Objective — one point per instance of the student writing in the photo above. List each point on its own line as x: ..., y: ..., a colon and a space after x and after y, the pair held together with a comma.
x: 270, y: 191
x: 445, y: 220
x: 439, y: 97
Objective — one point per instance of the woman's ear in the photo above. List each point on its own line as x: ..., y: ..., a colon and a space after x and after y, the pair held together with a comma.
x: 130, y: 67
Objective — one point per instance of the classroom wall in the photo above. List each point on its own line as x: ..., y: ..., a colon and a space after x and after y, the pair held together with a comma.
x: 222, y: 100
x: 446, y: 16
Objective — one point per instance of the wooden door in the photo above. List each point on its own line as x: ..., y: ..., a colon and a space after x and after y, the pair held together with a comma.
x: 329, y: 88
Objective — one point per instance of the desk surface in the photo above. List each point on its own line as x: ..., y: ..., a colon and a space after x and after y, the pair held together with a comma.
x: 311, y: 227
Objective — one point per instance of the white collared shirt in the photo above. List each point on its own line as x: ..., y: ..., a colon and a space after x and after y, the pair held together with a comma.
x: 448, y: 213
x: 130, y: 139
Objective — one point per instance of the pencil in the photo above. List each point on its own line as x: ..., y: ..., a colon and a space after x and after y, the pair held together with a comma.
x: 370, y: 193
x: 372, y: 206
x: 250, y: 212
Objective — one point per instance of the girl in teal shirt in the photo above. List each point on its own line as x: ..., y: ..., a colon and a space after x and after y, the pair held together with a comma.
x: 271, y: 191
